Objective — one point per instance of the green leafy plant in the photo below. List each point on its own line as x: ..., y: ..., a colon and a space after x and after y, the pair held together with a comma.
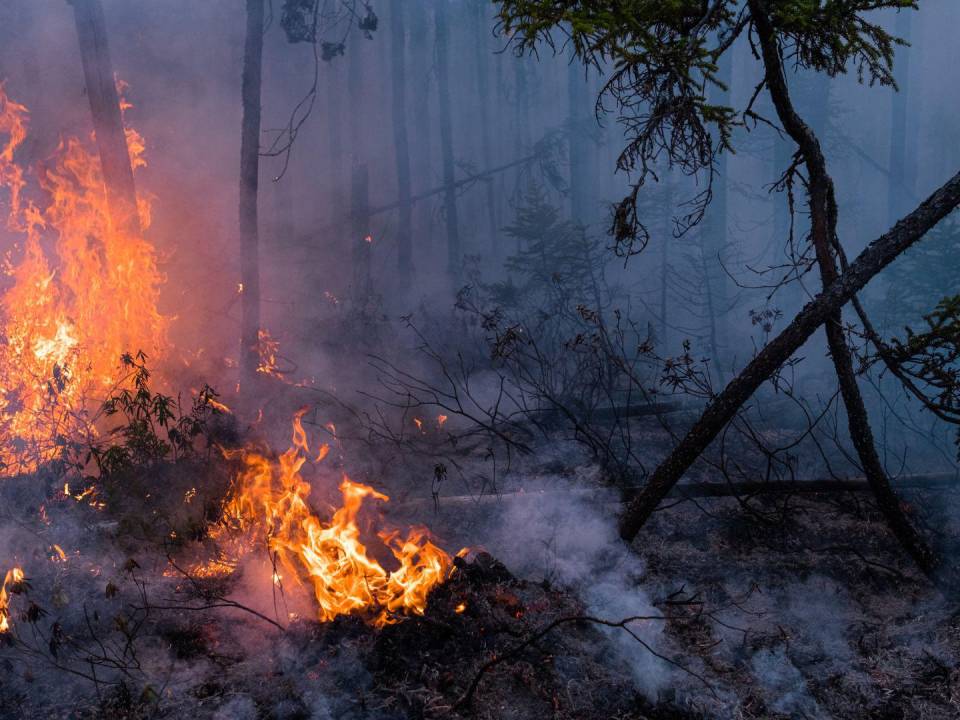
x: 155, y: 427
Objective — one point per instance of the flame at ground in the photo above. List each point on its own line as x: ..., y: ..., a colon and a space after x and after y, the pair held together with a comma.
x: 271, y: 497
x: 12, y: 582
x: 80, y: 294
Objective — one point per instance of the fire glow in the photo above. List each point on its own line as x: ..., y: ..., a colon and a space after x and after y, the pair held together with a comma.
x: 271, y: 499
x: 80, y: 294
x: 12, y: 583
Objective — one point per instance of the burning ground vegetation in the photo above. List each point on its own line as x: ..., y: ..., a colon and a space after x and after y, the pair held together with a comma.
x: 246, y: 583
x: 163, y: 556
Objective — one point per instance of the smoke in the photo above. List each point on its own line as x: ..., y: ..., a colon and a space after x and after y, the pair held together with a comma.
x: 571, y: 542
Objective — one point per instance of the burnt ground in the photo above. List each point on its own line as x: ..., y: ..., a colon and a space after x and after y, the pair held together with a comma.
x: 785, y: 609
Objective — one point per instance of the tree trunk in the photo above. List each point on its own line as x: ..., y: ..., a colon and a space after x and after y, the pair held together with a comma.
x: 107, y: 118
x: 421, y: 61
x: 900, y: 180
x: 823, y: 236
x: 715, y: 244
x: 880, y: 253
x: 400, y: 141
x: 666, y: 242
x: 482, y: 60
x: 446, y: 140
x: 249, y: 180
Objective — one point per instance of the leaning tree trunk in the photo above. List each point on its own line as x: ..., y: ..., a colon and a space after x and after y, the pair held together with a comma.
x: 446, y: 139
x: 249, y: 179
x: 401, y: 142
x: 107, y: 119
x: 722, y: 409
x: 823, y: 234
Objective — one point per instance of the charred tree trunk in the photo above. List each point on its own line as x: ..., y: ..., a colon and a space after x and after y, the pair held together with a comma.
x: 107, y: 118
x: 880, y: 253
x: 249, y: 181
x: 446, y: 140
x: 401, y: 142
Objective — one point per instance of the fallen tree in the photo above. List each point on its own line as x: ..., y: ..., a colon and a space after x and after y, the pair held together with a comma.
x: 665, y: 59
x: 722, y: 409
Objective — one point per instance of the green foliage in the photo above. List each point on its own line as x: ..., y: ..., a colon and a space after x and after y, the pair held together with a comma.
x: 155, y: 427
x: 664, y: 57
x: 931, y: 357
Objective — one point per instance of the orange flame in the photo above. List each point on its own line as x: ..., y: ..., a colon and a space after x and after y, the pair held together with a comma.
x: 272, y: 498
x: 11, y: 582
x: 72, y: 310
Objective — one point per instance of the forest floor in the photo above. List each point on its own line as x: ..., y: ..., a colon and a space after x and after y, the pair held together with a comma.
x: 802, y: 607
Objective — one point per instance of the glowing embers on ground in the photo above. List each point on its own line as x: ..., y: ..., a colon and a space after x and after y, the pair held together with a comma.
x: 80, y: 293
x: 270, y: 499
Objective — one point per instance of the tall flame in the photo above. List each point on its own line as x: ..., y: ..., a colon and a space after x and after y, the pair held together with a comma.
x: 80, y: 294
x: 271, y: 497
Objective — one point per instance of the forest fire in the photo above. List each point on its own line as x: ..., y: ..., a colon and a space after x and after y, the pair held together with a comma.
x: 81, y: 293
x: 653, y: 305
x: 270, y: 500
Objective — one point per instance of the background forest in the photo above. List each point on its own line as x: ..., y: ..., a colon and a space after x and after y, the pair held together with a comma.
x: 650, y: 307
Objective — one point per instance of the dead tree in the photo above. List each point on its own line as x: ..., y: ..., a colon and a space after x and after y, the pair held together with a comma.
x: 823, y: 234
x: 249, y: 181
x: 107, y: 119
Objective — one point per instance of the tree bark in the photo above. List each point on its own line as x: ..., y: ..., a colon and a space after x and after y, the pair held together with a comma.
x: 446, y: 140
x: 107, y: 118
x: 823, y: 235
x: 880, y: 253
x: 249, y: 181
x: 401, y: 142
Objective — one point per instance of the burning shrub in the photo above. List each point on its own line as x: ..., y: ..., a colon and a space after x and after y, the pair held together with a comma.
x: 67, y: 315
